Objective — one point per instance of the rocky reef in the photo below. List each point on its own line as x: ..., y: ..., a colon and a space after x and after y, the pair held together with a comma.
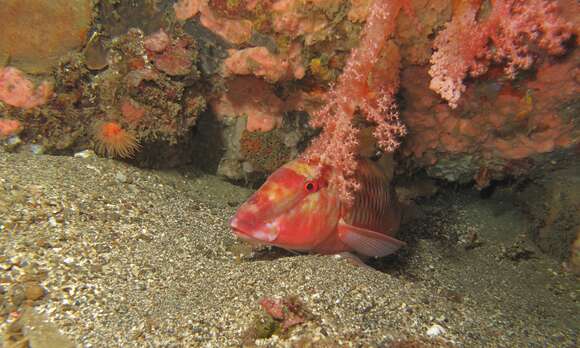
x: 483, y: 94
x: 152, y: 70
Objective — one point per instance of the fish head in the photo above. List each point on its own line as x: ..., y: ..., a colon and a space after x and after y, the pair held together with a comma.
x: 294, y: 209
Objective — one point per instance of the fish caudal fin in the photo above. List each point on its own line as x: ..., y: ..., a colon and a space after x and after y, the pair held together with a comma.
x: 367, y: 242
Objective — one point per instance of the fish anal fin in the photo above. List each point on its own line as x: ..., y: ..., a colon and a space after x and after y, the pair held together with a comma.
x: 367, y: 242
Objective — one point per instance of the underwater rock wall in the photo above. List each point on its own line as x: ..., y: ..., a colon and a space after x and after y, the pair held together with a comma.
x: 552, y: 203
x: 124, y: 96
x: 501, y: 128
x: 134, y: 79
x: 36, y: 33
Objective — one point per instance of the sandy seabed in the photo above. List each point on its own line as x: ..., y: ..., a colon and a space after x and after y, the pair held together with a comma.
x: 97, y: 253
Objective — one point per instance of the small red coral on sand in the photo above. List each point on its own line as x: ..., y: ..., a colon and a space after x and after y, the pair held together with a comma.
x: 113, y: 141
x: 9, y: 127
x: 287, y: 310
x: 17, y: 90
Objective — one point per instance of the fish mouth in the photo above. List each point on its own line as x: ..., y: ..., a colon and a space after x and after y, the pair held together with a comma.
x: 251, y: 231
x: 247, y: 239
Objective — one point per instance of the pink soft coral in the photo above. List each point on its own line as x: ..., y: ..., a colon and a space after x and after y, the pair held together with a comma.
x: 367, y: 84
x: 468, y: 46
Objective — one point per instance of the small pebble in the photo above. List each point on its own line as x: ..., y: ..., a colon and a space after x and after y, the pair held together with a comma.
x: 121, y: 177
x: 435, y: 330
x: 18, y: 296
x: 33, y: 291
x: 52, y: 222
x: 68, y: 261
x: 85, y: 154
x: 36, y: 149
x: 13, y: 141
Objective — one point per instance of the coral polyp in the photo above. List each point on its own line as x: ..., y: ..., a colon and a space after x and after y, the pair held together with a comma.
x: 114, y: 141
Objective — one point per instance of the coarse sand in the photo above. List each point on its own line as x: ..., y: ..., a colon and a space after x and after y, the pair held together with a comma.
x: 97, y: 253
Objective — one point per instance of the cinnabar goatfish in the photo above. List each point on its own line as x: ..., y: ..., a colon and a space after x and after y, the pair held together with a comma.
x: 297, y: 209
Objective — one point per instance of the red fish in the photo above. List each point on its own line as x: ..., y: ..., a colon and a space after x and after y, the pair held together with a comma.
x: 297, y: 209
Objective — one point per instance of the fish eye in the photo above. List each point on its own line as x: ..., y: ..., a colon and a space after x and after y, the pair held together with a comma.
x: 376, y: 156
x: 311, y: 186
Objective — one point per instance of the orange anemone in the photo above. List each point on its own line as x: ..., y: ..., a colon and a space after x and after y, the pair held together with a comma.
x: 113, y: 141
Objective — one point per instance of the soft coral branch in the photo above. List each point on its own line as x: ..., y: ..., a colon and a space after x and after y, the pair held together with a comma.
x: 364, y: 86
x: 468, y: 45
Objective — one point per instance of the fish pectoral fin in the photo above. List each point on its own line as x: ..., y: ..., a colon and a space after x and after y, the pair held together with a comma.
x: 367, y: 242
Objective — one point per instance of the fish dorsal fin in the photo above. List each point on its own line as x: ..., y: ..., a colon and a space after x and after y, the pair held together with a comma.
x: 367, y: 242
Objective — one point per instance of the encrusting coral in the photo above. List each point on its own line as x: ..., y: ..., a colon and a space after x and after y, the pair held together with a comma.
x: 17, y: 90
